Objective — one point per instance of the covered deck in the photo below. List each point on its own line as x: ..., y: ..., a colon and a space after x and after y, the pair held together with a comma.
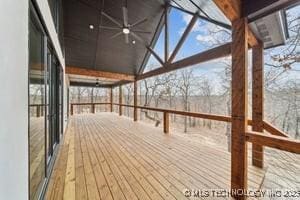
x: 105, y: 156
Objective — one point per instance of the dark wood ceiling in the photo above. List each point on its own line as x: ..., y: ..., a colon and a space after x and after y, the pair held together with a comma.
x: 95, y: 49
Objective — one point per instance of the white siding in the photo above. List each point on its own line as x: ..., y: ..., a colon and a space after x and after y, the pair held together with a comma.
x: 14, y: 99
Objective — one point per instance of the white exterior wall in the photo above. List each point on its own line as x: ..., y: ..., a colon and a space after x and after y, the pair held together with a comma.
x: 14, y: 35
x: 14, y: 99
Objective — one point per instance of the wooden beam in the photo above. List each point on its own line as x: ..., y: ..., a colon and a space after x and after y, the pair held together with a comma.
x: 72, y: 109
x: 135, y: 101
x: 167, y: 8
x: 111, y: 99
x: 155, y: 55
x: 273, y: 130
x: 166, y: 122
x: 239, y: 107
x: 215, y: 53
x: 258, y: 101
x: 120, y: 100
x: 277, y: 142
x: 232, y: 9
x: 183, y: 37
x: 98, y: 73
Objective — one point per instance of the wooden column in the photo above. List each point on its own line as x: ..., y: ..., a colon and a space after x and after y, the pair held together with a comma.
x: 239, y: 106
x: 72, y: 109
x: 257, y: 101
x: 38, y: 111
x: 111, y: 99
x: 120, y: 100
x: 166, y: 122
x: 93, y: 108
x: 135, y: 101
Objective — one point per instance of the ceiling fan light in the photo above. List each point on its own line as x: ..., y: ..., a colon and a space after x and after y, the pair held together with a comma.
x: 91, y: 26
x: 126, y: 30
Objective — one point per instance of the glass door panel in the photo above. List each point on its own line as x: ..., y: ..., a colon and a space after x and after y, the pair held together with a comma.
x: 36, y: 109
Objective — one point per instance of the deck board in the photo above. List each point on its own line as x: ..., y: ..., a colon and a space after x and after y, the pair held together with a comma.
x: 105, y: 156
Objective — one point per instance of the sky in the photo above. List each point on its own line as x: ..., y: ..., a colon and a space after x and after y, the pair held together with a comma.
x: 200, y: 39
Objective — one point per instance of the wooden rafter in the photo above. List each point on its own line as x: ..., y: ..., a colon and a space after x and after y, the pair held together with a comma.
x: 167, y: 8
x: 156, y: 56
x: 98, y: 73
x: 215, y: 53
x: 233, y: 11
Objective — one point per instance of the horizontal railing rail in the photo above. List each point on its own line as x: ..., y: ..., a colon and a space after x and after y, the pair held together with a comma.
x: 184, y: 113
x: 276, y: 139
x: 267, y: 126
x: 273, y: 141
x: 86, y: 104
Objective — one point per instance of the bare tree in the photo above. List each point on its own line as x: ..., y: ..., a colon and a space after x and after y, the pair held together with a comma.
x: 186, y: 85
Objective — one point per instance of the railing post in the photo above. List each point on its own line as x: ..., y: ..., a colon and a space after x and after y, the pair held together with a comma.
x: 38, y: 111
x: 239, y: 114
x: 120, y: 100
x: 135, y: 101
x: 72, y: 109
x: 111, y: 99
x: 166, y: 122
x: 257, y: 101
x: 93, y: 108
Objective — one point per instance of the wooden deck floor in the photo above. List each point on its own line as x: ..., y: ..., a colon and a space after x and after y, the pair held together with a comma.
x: 105, y: 156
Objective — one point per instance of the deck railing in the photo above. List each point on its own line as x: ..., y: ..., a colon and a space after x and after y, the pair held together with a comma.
x: 275, y: 139
x: 222, y: 118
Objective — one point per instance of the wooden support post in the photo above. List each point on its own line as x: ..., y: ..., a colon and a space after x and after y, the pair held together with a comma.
x: 38, y: 111
x: 135, y: 101
x: 93, y: 108
x: 111, y: 99
x: 120, y: 100
x: 166, y: 122
x: 258, y: 101
x: 72, y: 109
x: 239, y: 107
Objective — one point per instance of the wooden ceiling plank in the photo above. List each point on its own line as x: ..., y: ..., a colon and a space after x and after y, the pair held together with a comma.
x: 98, y: 73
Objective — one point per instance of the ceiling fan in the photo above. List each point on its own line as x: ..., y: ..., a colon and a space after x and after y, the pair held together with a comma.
x: 125, y: 28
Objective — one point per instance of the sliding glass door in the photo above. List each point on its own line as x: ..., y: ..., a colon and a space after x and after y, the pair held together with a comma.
x: 45, y: 110
x: 37, y: 111
x: 54, y: 108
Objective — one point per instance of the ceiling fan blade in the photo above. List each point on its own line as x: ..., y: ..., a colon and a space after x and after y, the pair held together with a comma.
x: 109, y: 28
x: 138, y: 37
x: 112, y: 19
x: 116, y: 35
x: 139, y: 22
x: 125, y: 16
x: 140, y: 31
x: 126, y: 38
